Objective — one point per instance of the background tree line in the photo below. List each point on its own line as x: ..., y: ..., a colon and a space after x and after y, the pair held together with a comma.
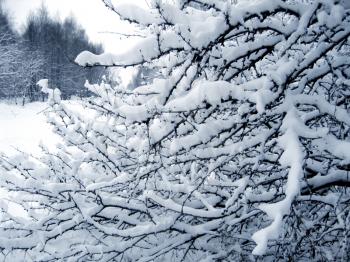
x: 44, y: 49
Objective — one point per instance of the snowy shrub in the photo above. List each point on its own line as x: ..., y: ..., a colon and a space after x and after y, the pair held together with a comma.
x: 238, y: 151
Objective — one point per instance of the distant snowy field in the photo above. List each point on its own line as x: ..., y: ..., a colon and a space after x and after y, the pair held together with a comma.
x: 24, y: 128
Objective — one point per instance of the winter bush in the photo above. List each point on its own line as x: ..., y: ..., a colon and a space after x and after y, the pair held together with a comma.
x: 237, y: 152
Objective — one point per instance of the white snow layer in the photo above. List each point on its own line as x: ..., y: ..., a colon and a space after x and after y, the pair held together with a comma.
x: 25, y: 127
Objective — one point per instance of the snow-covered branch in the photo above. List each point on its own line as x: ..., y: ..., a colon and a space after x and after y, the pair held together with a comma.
x: 238, y: 146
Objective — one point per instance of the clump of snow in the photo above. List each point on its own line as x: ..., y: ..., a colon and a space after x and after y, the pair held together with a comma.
x: 44, y: 84
x: 292, y: 157
x: 334, y: 18
x: 54, y: 94
x: 146, y: 50
x: 134, y: 12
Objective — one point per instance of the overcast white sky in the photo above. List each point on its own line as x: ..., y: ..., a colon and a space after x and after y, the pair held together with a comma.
x: 91, y: 14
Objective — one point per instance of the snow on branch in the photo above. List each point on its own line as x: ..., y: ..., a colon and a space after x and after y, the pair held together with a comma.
x: 235, y: 149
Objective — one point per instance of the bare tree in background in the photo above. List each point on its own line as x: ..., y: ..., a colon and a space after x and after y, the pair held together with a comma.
x: 46, y: 49
x: 60, y: 42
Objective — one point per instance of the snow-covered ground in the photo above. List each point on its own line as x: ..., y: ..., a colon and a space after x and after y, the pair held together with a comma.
x: 24, y: 127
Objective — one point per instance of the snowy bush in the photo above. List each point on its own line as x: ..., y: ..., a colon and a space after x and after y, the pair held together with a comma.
x: 239, y: 151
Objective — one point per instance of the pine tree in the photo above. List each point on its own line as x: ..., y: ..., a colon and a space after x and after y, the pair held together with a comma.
x: 237, y: 152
